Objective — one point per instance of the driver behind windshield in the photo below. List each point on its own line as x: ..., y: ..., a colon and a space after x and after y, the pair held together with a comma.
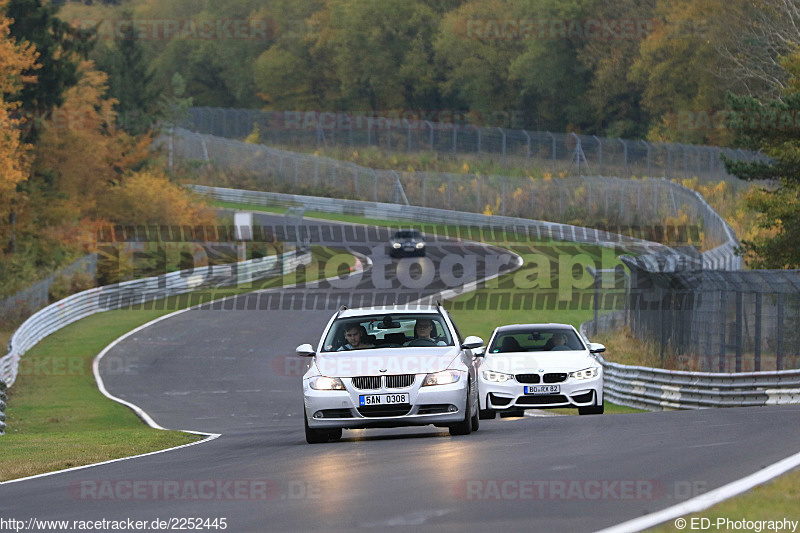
x: 423, y: 330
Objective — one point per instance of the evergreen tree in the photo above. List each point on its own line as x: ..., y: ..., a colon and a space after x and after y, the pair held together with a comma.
x: 772, y: 126
x: 57, y: 45
x: 130, y: 83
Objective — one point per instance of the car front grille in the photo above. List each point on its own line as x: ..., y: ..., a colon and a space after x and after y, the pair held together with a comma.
x: 367, y: 382
x: 555, y: 378
x: 527, y: 378
x: 399, y: 381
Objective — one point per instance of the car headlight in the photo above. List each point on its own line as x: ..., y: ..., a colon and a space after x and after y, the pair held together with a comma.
x: 445, y: 377
x: 586, y: 373
x: 420, y: 245
x: 497, y: 377
x: 396, y: 245
x: 326, y: 383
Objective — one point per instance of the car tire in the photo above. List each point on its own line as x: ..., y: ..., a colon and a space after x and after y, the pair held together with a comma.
x: 487, y: 414
x: 465, y: 426
x: 335, y: 434
x: 591, y: 410
x: 314, y: 436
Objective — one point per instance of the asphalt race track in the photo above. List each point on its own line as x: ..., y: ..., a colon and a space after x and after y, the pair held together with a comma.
x: 233, y: 373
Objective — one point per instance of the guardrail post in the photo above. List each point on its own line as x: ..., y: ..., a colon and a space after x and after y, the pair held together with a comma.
x: 3, y: 400
x: 504, y: 142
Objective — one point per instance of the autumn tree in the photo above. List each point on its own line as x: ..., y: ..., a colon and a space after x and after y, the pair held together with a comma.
x: 17, y: 63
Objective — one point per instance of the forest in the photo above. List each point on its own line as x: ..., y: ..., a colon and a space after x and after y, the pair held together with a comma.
x: 85, y: 86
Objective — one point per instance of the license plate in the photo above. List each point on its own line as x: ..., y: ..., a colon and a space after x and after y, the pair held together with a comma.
x: 382, y: 399
x: 543, y: 389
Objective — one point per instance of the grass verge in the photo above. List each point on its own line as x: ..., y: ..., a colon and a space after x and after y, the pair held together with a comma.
x: 775, y: 500
x: 57, y: 418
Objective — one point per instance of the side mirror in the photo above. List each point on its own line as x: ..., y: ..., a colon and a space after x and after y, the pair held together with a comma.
x: 596, y: 347
x: 472, y: 342
x: 305, y: 350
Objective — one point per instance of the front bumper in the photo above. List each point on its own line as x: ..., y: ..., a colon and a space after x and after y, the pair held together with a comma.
x: 437, y: 405
x: 511, y: 394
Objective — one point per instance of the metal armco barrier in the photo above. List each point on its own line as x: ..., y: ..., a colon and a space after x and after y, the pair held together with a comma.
x: 660, y: 256
x: 3, y: 400
x: 655, y: 389
x: 130, y: 294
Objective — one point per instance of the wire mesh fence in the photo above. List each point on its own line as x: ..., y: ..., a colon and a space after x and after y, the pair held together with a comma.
x: 558, y: 152
x: 16, y: 308
x: 644, y: 207
x: 719, y: 321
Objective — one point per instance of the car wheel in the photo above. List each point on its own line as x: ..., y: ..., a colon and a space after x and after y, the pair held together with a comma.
x: 487, y: 414
x: 465, y: 426
x: 314, y: 436
x: 476, y: 420
x: 335, y: 434
x: 591, y: 410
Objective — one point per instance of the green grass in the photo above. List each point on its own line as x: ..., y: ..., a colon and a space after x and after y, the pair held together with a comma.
x: 57, y: 418
x: 774, y: 500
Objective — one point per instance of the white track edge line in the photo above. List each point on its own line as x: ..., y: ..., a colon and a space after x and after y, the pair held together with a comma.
x: 704, y: 501
x: 141, y: 413
x: 136, y: 409
x: 147, y: 419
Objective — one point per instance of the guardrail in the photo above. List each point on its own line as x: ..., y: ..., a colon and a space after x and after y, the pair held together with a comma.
x: 130, y: 294
x: 663, y: 257
x: 655, y: 389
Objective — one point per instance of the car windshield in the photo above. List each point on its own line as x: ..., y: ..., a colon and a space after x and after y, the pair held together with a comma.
x: 387, y: 331
x: 407, y: 234
x: 535, y: 340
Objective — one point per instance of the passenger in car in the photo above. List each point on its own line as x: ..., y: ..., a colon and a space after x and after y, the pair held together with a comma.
x: 356, y: 336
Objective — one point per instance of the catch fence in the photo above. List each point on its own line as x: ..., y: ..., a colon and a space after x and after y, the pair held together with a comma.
x: 558, y: 152
x: 646, y: 208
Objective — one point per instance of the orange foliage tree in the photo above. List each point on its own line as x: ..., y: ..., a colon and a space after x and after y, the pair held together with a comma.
x: 14, y: 154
